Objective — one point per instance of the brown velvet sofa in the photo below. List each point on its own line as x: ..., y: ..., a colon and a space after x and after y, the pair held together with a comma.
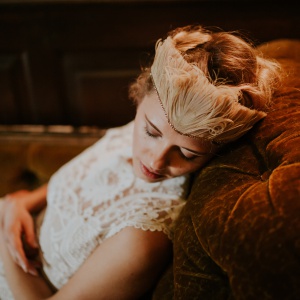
x: 238, y: 236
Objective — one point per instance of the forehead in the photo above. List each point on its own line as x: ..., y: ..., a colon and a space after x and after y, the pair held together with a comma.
x: 151, y: 110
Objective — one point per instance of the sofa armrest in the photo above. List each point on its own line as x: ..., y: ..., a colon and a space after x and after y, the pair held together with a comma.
x: 29, y: 155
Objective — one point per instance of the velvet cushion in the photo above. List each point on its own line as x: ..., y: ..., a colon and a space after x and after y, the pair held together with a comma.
x: 238, y: 237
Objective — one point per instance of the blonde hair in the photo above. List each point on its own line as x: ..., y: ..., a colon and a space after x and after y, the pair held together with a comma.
x: 211, y: 85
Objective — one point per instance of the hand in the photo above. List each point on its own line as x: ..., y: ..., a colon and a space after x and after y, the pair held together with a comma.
x: 18, y: 231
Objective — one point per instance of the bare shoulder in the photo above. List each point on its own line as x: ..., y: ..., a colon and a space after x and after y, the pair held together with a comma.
x: 147, y: 251
x: 145, y: 242
x: 131, y: 260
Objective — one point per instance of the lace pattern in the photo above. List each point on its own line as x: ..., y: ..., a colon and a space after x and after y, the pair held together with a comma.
x: 93, y: 197
x: 5, y: 293
x: 96, y: 195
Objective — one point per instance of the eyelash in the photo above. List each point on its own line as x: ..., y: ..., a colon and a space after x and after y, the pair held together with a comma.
x: 187, y: 158
x: 148, y: 132
x: 181, y: 154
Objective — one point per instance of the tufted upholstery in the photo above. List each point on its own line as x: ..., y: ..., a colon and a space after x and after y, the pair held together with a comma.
x: 239, y: 234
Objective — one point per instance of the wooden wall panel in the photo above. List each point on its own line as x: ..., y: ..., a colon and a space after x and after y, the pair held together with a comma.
x: 16, y: 90
x: 96, y: 86
x: 70, y: 62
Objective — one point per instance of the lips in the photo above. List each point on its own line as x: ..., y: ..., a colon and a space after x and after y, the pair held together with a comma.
x: 149, y: 174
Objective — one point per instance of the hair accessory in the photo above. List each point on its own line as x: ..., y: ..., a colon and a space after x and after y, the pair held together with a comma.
x: 194, y: 106
x: 186, y: 134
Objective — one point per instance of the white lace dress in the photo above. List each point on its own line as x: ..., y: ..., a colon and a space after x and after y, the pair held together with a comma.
x: 93, y: 197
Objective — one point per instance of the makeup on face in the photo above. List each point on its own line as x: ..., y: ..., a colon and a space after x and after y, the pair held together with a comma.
x: 159, y: 152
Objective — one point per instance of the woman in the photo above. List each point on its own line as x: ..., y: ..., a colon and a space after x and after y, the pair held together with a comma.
x: 109, y: 215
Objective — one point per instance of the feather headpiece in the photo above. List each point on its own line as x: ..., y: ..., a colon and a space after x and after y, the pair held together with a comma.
x: 193, y: 104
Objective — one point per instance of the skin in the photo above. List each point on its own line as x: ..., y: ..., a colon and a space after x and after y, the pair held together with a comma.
x: 17, y: 220
x: 159, y: 153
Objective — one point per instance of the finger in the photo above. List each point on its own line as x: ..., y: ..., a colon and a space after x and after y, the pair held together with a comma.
x: 13, y: 235
x: 16, y: 250
x: 27, y: 266
x: 18, y: 193
x: 29, y: 232
x: 33, y: 267
x: 32, y: 270
x: 18, y: 259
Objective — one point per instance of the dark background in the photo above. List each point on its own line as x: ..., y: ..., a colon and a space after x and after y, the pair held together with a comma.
x: 70, y: 62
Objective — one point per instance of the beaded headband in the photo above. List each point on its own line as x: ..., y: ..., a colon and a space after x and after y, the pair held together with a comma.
x: 160, y: 102
x: 193, y: 105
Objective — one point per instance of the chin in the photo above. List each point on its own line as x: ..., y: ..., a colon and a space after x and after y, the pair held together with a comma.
x: 150, y: 180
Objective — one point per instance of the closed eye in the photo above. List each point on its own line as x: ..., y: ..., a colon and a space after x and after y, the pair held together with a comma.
x: 191, y: 158
x: 190, y: 155
x: 149, y: 133
x: 151, y: 130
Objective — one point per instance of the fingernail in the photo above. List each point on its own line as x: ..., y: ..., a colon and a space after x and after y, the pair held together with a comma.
x: 33, y: 272
x: 24, y: 267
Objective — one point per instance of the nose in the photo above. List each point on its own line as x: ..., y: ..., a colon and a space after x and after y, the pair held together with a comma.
x: 160, y: 159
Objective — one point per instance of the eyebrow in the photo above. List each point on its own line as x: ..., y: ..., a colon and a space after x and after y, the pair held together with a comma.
x: 153, y: 125
x: 192, y: 151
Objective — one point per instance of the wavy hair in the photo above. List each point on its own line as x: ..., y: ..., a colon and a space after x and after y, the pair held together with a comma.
x: 211, y: 85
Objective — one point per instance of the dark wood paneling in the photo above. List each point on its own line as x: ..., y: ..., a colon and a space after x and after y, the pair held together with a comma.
x: 71, y: 62
x: 96, y: 86
x: 15, y: 89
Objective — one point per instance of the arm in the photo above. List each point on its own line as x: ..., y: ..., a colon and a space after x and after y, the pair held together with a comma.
x: 18, y: 278
x: 125, y: 266
x: 17, y: 223
x: 34, y: 201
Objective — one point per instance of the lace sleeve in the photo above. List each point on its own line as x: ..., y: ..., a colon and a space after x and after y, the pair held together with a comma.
x: 96, y: 195
x: 152, y: 207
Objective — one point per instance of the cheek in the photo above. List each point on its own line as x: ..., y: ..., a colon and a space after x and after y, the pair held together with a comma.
x: 185, y: 167
x: 138, y: 143
x: 188, y: 168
